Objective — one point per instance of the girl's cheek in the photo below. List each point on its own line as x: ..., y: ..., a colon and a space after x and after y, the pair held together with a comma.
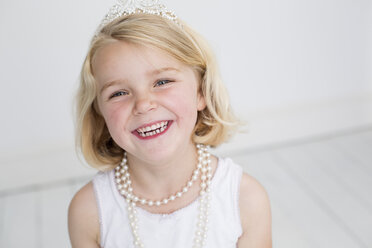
x: 186, y: 98
x: 117, y: 111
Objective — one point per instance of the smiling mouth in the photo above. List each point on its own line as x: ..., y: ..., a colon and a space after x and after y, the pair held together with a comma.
x: 153, y: 130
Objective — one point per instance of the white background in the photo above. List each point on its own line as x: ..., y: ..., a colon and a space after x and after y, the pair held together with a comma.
x: 294, y: 69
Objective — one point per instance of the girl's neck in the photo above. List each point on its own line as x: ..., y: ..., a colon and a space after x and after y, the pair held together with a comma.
x: 160, y: 179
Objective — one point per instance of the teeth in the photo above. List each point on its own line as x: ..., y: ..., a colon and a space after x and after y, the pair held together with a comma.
x: 153, y: 129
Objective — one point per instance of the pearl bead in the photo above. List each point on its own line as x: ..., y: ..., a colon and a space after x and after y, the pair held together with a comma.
x: 123, y: 182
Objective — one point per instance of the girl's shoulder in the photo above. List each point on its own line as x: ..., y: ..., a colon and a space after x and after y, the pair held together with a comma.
x: 253, y: 196
x: 83, y: 218
x: 255, y: 214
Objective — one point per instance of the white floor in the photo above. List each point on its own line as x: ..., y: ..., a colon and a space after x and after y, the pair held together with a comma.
x: 320, y: 192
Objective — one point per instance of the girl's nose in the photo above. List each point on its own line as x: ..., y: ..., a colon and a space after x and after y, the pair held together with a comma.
x: 144, y: 104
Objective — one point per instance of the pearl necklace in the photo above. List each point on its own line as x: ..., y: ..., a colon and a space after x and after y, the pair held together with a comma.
x: 123, y: 182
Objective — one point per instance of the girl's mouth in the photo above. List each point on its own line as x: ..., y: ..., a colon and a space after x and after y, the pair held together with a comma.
x: 153, y: 130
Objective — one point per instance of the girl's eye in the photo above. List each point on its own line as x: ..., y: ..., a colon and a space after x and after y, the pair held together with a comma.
x: 162, y: 82
x: 119, y: 93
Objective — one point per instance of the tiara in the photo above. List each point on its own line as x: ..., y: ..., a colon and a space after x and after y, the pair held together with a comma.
x: 128, y: 7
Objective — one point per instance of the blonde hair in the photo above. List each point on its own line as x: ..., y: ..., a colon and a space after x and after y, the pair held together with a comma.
x: 214, y: 124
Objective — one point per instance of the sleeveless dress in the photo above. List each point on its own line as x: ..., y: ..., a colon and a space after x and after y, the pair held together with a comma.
x: 177, y: 229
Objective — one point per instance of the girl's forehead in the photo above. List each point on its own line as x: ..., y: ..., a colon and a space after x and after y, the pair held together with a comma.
x: 124, y: 59
x: 129, y: 53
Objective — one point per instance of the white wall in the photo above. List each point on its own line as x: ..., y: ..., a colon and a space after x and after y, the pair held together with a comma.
x: 293, y: 68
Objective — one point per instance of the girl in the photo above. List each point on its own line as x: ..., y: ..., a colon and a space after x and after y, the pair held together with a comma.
x: 150, y: 103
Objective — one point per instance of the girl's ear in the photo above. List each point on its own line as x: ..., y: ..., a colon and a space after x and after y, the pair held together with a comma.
x: 201, y: 102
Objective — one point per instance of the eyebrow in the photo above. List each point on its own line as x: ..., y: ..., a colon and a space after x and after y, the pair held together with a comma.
x: 111, y: 83
x: 151, y: 73
x: 158, y: 71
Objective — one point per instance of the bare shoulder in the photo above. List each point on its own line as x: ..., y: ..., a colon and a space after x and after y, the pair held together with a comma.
x: 83, y: 219
x: 255, y: 214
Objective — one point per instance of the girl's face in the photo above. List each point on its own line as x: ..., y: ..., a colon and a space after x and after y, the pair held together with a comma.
x: 148, y: 99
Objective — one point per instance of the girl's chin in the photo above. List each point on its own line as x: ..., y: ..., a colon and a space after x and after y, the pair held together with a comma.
x: 155, y: 153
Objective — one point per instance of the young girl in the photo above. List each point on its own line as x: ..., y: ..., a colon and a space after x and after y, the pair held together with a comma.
x: 150, y: 103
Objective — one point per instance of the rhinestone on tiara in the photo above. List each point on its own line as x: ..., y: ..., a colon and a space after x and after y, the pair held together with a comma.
x: 128, y: 7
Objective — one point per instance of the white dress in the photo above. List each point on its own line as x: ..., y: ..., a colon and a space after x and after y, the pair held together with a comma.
x: 175, y: 230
